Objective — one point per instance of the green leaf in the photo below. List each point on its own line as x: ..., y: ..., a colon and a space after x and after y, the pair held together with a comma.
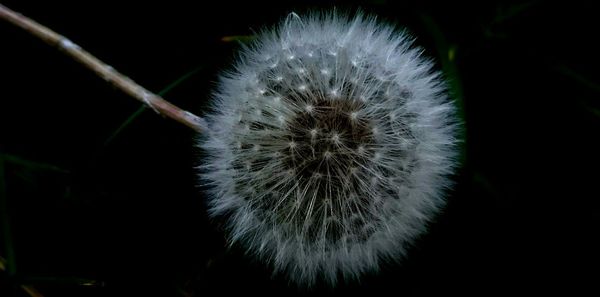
x: 572, y: 74
x: 32, y: 164
x: 65, y: 281
x: 504, y: 13
x: 10, y: 265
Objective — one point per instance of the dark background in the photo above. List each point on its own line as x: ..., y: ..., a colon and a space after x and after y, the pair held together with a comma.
x: 85, y: 217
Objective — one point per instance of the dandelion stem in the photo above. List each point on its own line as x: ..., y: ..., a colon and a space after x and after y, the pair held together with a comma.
x: 103, y: 70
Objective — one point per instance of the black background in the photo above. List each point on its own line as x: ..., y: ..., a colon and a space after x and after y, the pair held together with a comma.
x: 129, y: 217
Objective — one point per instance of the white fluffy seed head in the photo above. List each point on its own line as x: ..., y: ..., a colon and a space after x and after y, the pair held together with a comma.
x: 329, y: 148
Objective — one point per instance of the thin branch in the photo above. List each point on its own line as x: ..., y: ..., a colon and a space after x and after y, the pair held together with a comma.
x: 103, y: 70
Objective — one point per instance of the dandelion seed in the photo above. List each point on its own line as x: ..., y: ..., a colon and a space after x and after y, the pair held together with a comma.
x: 335, y: 138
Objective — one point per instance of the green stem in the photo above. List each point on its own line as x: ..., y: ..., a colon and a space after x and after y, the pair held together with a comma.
x: 184, y: 77
x: 142, y: 108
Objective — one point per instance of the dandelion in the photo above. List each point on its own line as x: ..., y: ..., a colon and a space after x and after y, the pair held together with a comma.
x: 330, y: 147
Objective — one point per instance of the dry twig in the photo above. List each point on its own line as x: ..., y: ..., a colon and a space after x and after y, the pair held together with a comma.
x: 103, y: 70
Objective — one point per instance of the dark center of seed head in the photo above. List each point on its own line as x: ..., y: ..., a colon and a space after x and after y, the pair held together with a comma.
x: 329, y: 137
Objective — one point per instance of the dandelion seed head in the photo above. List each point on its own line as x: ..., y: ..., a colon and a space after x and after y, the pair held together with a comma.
x: 341, y: 157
